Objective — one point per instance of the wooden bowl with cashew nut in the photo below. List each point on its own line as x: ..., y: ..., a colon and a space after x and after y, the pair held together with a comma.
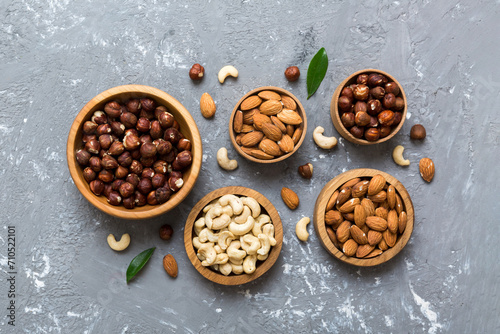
x: 368, y: 107
x: 223, y: 251
x: 364, y: 217
x: 268, y: 124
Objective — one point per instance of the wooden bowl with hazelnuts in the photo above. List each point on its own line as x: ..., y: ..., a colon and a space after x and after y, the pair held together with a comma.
x: 368, y: 107
x: 134, y: 152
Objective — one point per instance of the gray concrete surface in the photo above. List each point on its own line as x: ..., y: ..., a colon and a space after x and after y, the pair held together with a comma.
x: 57, y: 55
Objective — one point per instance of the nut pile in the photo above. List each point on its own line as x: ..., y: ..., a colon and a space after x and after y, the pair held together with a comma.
x: 233, y: 234
x: 267, y: 125
x: 134, y: 153
x: 365, y: 217
x: 371, y: 107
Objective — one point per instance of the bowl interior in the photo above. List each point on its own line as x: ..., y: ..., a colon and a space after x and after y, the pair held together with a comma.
x: 320, y: 208
x: 122, y: 94
x: 334, y: 111
x: 262, y: 267
x: 300, y: 110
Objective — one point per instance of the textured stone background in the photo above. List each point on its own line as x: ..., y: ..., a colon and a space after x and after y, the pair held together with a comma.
x: 57, y: 55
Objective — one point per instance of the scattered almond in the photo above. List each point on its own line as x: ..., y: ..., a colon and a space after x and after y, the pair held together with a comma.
x: 290, y: 198
x: 207, y: 105
x: 427, y: 169
x: 170, y: 265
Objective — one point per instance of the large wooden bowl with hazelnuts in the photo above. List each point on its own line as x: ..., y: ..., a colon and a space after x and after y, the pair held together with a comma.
x: 134, y: 152
x: 368, y: 107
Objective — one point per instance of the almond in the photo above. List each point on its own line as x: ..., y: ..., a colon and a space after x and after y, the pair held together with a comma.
x: 238, y: 121
x: 332, y: 236
x: 270, y: 107
x: 373, y: 253
x: 238, y: 137
x: 288, y: 102
x: 290, y: 129
x: 427, y: 169
x: 365, y: 229
x: 207, y: 105
x: 170, y: 265
x: 297, y: 133
x: 374, y: 237
x: 391, y: 196
x: 278, y: 123
x: 252, y: 138
x: 272, y: 131
x: 248, y: 150
x: 399, y: 204
x: 246, y: 128
x: 270, y: 147
x: 348, y: 216
x: 376, y: 223
x: 251, y: 102
x: 360, y: 189
x: 259, y: 120
x: 392, y: 221
x: 358, y: 235
x: 344, y: 231
x: 350, y: 247
x: 286, y: 144
x: 349, y: 205
x: 382, y: 245
x: 333, y: 218
x: 248, y: 116
x: 384, y: 204
x: 390, y: 238
x: 269, y: 95
x: 377, y: 184
x: 382, y: 213
x: 402, y: 222
x: 378, y: 197
x: 259, y: 154
x: 359, y: 215
x: 290, y: 198
x: 368, y: 206
x: 344, y: 195
x: 364, y: 250
x: 350, y: 183
x: 332, y: 201
x: 288, y: 116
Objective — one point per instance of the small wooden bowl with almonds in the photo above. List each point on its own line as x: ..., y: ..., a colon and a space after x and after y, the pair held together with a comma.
x: 364, y: 217
x: 267, y: 125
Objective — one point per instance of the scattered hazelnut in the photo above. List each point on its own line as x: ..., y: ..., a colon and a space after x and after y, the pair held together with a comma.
x: 398, y: 116
x: 417, y: 132
x: 103, y: 129
x: 160, y: 167
x: 147, y: 162
x: 360, y: 106
x: 166, y: 232
x: 306, y: 171
x: 196, y: 72
x: 292, y: 73
x: 145, y: 138
x: 385, y: 131
x: 182, y: 160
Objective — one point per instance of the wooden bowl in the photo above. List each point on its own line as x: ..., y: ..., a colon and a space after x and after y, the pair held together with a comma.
x: 262, y: 267
x: 334, y: 110
x: 300, y: 110
x: 320, y: 208
x: 121, y: 94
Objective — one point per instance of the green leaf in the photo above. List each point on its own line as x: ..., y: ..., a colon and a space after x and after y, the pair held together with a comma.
x: 138, y: 262
x: 316, y: 71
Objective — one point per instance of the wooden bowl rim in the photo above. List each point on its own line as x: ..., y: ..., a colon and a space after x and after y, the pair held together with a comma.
x: 263, y: 267
x: 319, y: 217
x: 146, y: 211
x: 300, y: 110
x: 334, y: 112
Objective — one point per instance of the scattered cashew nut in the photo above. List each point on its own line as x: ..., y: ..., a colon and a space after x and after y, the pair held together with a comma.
x: 226, y: 71
x: 301, y: 229
x: 397, y: 155
x: 119, y: 245
x: 224, y: 161
x: 322, y: 141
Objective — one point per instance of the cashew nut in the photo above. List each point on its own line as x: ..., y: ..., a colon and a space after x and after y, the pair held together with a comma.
x: 397, y: 155
x: 234, y: 252
x: 237, y: 268
x: 225, y: 239
x: 208, y: 235
x: 218, y: 250
x: 237, y: 262
x: 234, y: 201
x: 216, y: 218
x: 262, y: 257
x: 250, y: 244
x: 241, y: 219
x: 225, y: 269
x: 265, y: 245
x: 322, y: 141
x: 226, y: 71
x: 241, y: 229
x: 221, y: 222
x: 199, y: 225
x: 221, y: 258
x: 196, y: 242
x: 260, y: 221
x: 119, y: 245
x: 253, y: 205
x: 208, y: 253
x: 224, y: 161
x: 301, y: 229
x: 228, y: 210
x: 268, y: 230
x: 249, y: 264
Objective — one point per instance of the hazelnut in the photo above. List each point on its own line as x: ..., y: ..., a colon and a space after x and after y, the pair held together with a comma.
x: 375, y: 79
x: 118, y: 128
x: 182, y: 160
x: 108, y: 188
x: 385, y: 131
x: 175, y: 183
x: 128, y: 119
x: 129, y: 132
x: 148, y: 105
x: 105, y: 141
x: 121, y: 172
x: 392, y: 87
x: 162, y: 146
x: 159, y: 110
x: 347, y: 91
x: 389, y: 101
x: 417, y: 132
x: 176, y: 125
x: 373, y: 122
x: 129, y: 202
x: 386, y: 118
x: 143, y: 124
x: 158, y: 180
x: 398, y: 116
x: 115, y: 185
x: 148, y: 172
x: 133, y: 179
x: 151, y: 197
x: 103, y: 129
x: 93, y: 146
x: 99, y: 117
x: 116, y: 148
x: 95, y: 164
x: 361, y: 92
x: 196, y: 72
x: 86, y: 138
x: 175, y: 173
x: 162, y: 194
x: 131, y: 142
x: 347, y: 119
x: 360, y: 106
x: 114, y: 198
x: 292, y: 73
x: 399, y: 104
x: 166, y: 232
x: 145, y: 138
x: 306, y: 171
x: 126, y: 189
x: 160, y: 167
x: 147, y: 162
x: 106, y: 176
x: 372, y: 134
x: 184, y: 145
x: 136, y: 154
x: 362, y: 118
x: 113, y: 109
x: 134, y: 106
x: 89, y: 127
x: 374, y: 107
x: 82, y: 157
x: 108, y: 162
x: 145, y: 186
x: 148, y: 150
x: 125, y: 159
x: 149, y: 115
x: 362, y: 79
x: 344, y: 103
x: 97, y: 187
x: 102, y: 153
x: 166, y: 120
x: 357, y: 131
x: 172, y: 135
x: 136, y: 167
x: 156, y: 130
x: 89, y: 174
x: 377, y: 92
x: 140, y: 199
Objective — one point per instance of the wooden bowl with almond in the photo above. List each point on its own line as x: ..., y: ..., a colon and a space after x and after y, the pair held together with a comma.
x: 221, y: 249
x: 267, y: 125
x: 364, y: 217
x: 368, y: 107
